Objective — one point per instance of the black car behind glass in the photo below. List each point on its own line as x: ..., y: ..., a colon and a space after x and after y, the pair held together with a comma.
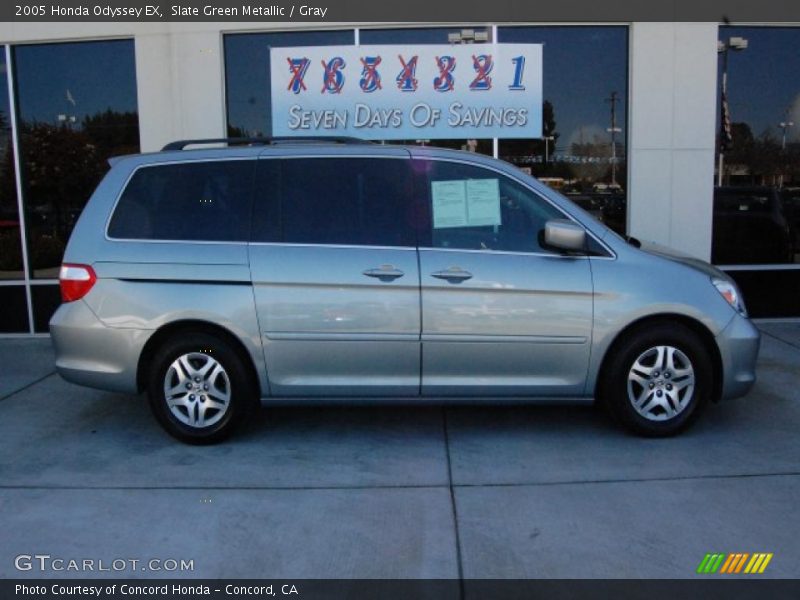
x: 750, y: 227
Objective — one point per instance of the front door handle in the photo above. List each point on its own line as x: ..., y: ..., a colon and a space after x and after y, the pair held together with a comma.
x: 384, y: 273
x: 453, y: 274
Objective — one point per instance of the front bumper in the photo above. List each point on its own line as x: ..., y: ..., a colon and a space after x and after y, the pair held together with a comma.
x: 738, y: 344
x: 91, y: 354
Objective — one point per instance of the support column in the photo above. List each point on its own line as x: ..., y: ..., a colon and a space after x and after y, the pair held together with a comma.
x: 673, y: 81
x: 180, y: 80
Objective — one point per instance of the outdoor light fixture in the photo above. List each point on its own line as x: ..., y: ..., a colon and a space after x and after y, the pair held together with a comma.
x: 467, y: 35
x: 734, y: 43
x: 737, y: 43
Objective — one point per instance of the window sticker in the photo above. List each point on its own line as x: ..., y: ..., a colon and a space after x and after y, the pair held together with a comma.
x: 466, y: 203
x: 449, y: 200
x: 483, y: 202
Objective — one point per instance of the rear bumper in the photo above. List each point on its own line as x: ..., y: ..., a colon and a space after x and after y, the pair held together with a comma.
x: 91, y: 354
x: 738, y: 343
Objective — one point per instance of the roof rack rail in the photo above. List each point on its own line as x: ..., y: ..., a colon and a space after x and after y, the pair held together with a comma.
x: 263, y: 141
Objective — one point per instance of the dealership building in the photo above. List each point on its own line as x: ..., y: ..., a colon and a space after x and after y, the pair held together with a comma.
x: 682, y: 133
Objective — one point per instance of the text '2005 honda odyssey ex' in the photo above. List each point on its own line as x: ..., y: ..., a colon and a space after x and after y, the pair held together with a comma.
x: 340, y: 269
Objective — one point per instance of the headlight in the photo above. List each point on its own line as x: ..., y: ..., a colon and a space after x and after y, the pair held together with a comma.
x: 731, y: 294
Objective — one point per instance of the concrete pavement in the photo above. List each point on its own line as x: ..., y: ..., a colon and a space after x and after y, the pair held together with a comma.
x: 394, y: 492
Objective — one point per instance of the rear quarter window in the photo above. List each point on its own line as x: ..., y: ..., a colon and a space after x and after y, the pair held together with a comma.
x: 193, y: 201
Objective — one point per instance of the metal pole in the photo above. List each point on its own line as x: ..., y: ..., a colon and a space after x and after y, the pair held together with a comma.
x: 783, y: 152
x: 614, y: 130
x: 723, y: 97
x: 23, y: 233
x: 614, y: 139
x: 495, y: 141
x: 784, y: 125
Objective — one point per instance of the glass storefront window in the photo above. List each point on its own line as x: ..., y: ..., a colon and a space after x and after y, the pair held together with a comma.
x: 10, y: 238
x: 757, y: 193
x: 411, y: 35
x: 430, y: 35
x: 582, y: 152
x: 76, y: 107
x: 14, y: 316
x: 247, y: 75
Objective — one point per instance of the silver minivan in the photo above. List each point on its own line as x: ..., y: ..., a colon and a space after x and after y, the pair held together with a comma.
x: 324, y: 271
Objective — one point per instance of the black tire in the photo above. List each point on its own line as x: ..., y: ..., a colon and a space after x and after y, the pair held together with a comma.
x: 642, y: 345
x: 200, y: 350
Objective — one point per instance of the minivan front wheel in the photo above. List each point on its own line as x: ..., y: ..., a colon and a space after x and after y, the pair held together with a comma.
x: 198, y: 388
x: 658, y: 379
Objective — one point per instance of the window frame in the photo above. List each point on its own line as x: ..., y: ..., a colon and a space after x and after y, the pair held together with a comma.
x: 422, y: 233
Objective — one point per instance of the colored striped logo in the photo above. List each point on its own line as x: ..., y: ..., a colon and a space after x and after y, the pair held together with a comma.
x: 734, y: 563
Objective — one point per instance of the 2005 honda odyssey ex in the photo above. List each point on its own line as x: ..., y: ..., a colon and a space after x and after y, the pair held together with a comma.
x: 340, y: 269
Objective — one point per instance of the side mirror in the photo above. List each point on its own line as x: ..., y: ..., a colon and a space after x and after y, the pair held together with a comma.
x: 564, y: 235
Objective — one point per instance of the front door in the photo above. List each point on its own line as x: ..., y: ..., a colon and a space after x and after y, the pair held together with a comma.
x: 501, y: 314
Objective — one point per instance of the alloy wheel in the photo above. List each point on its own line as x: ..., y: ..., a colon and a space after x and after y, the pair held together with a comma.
x: 197, y: 390
x: 661, y: 383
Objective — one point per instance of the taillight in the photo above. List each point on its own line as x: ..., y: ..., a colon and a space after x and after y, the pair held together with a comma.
x: 75, y: 281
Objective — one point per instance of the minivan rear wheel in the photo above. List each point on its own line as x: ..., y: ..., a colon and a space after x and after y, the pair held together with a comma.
x: 198, y: 388
x: 658, y: 379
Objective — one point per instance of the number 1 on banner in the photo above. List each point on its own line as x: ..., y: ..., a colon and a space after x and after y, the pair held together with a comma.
x: 519, y: 69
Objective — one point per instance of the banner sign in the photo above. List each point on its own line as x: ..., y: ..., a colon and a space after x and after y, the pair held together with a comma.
x: 408, y: 92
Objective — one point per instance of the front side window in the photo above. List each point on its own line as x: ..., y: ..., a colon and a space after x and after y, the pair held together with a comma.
x: 201, y: 201
x: 473, y: 208
x: 348, y: 201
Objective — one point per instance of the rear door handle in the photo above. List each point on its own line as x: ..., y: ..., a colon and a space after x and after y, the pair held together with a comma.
x: 385, y: 273
x: 453, y: 274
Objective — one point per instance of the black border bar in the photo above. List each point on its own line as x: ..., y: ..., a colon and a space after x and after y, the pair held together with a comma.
x: 411, y: 11
x: 718, y: 587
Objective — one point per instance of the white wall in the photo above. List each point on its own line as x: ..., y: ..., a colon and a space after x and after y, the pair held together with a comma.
x: 180, y: 80
x: 673, y: 74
